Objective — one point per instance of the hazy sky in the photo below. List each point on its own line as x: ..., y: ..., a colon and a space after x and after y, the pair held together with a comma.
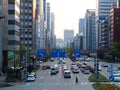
x: 68, y: 12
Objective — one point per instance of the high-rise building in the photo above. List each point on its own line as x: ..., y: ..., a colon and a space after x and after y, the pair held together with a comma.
x: 52, y: 30
x: 118, y: 3
x: 115, y: 26
x: 48, y: 27
x: 68, y: 35
x: 90, y: 30
x: 102, y: 11
x: 42, y: 24
x: 3, y: 35
x: 105, y: 33
x: 81, y: 26
x: 48, y: 21
x: 27, y: 23
x: 37, y: 24
x: 78, y: 42
x: 13, y: 24
x: 41, y: 27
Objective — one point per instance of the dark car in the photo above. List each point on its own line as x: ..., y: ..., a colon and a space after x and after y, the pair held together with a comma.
x: 48, y: 66
x: 44, y: 67
x: 104, y: 65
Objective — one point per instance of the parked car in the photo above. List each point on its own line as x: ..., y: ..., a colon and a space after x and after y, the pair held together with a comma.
x: 99, y: 68
x: 30, y: 78
x: 67, y: 74
x: 116, y: 75
x: 34, y: 73
x: 104, y: 65
x: 116, y: 78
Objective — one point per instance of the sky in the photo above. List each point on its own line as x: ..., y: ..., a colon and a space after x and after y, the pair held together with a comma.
x: 67, y: 14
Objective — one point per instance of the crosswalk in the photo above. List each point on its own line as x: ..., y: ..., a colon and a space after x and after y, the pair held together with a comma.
x: 58, y: 84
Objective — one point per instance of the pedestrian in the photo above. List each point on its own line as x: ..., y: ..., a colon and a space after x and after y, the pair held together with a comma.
x: 76, y: 80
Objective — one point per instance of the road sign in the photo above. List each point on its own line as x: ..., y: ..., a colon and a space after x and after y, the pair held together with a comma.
x: 61, y: 53
x: 111, y: 78
x: 58, y: 53
x: 77, y: 53
x: 24, y: 57
x: 41, y: 53
x: 54, y: 53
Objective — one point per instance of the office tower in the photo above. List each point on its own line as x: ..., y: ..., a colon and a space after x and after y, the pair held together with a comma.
x: 90, y: 30
x: 52, y: 30
x: 3, y: 35
x: 27, y: 23
x: 48, y: 27
x: 37, y: 24
x: 105, y: 33
x: 78, y: 42
x: 118, y: 3
x: 68, y: 36
x: 81, y: 26
x: 41, y: 24
x: 114, y: 26
x: 102, y: 11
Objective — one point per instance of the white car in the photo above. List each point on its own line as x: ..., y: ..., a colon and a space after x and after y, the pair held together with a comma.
x: 31, y: 78
x: 116, y: 78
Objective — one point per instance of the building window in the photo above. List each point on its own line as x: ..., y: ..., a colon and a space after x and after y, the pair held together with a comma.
x: 11, y: 1
x: 11, y: 11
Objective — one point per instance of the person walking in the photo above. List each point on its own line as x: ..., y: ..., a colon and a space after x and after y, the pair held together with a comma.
x: 76, y: 80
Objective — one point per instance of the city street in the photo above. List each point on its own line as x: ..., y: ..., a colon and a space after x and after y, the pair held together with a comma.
x: 45, y: 81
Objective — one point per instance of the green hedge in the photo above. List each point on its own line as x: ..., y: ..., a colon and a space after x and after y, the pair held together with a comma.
x: 5, y: 85
x: 101, y: 78
x: 105, y: 86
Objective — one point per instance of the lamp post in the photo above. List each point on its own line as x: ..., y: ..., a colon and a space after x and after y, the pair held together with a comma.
x: 1, y: 50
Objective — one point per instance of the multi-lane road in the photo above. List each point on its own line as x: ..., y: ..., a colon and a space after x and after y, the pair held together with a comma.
x: 45, y: 81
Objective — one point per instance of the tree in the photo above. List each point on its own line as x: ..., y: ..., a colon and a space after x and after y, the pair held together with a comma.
x: 116, y: 45
x: 115, y: 51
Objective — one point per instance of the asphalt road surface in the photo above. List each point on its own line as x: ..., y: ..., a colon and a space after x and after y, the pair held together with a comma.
x: 45, y: 81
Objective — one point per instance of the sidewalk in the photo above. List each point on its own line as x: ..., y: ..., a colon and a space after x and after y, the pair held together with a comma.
x: 2, y: 80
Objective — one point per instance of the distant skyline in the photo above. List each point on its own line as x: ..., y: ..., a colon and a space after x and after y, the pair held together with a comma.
x: 68, y: 12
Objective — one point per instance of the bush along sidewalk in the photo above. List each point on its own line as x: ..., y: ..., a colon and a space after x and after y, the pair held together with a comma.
x: 5, y: 85
x: 107, y: 86
x: 102, y: 83
x: 101, y: 78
